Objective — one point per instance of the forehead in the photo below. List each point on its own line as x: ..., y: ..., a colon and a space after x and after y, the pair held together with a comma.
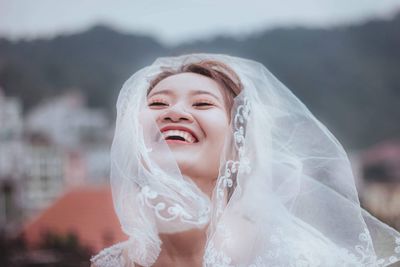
x: 183, y: 83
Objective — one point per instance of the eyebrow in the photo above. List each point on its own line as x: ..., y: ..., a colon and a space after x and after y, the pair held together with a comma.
x: 161, y: 92
x: 195, y: 92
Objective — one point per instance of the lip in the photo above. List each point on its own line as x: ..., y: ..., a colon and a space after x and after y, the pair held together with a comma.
x: 181, y: 128
x: 178, y: 142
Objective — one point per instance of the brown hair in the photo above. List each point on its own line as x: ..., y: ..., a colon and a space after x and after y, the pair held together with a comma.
x: 226, y: 78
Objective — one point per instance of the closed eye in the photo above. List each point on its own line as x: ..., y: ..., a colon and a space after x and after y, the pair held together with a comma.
x: 202, y: 104
x: 156, y: 103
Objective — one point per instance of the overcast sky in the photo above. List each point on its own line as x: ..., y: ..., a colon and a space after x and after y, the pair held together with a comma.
x: 174, y: 21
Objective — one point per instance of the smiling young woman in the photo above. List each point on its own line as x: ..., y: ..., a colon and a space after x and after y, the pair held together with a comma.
x: 191, y: 107
x: 216, y: 163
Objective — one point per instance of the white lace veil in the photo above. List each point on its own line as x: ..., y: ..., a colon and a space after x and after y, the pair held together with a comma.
x: 293, y: 200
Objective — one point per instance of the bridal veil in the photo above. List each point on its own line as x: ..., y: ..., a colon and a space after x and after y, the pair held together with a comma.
x: 292, y: 198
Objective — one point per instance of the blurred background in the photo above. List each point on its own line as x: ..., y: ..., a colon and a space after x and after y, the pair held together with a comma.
x: 62, y: 64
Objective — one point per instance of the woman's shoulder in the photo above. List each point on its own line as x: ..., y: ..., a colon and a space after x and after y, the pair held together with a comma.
x: 113, y: 256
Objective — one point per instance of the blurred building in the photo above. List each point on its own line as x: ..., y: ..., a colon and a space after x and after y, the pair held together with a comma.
x: 381, y: 173
x: 82, y: 133
x: 68, y: 122
x: 11, y: 161
x: 44, y: 181
x: 61, y: 145
x: 67, y: 146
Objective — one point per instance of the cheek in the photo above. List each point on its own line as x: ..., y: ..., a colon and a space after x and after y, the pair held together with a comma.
x: 147, y: 119
x: 147, y: 116
x: 216, y: 127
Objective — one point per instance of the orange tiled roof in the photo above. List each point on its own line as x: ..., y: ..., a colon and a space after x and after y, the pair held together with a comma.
x: 88, y: 212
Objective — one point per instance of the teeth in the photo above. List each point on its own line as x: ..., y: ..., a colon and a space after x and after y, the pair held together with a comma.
x: 185, y: 135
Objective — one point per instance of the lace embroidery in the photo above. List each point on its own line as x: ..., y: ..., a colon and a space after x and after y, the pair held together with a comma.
x: 396, y: 250
x: 215, y: 258
x: 308, y: 257
x: 173, y: 212
x: 212, y: 257
x: 297, y: 256
x: 110, y: 257
x: 367, y: 259
x: 239, y: 123
x: 305, y: 257
x: 365, y: 253
x: 232, y: 166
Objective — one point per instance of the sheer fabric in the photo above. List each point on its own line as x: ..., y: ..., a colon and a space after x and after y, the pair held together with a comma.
x: 293, y: 200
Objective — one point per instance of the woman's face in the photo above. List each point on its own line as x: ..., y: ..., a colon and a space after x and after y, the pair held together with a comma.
x: 191, y: 113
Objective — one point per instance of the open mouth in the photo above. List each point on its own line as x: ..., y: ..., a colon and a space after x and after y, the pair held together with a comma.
x: 179, y: 136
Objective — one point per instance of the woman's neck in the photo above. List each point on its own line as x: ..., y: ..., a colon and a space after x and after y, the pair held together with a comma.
x: 206, y: 185
x: 182, y: 249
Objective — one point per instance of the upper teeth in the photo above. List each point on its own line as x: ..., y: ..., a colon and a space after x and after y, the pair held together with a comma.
x: 185, y: 135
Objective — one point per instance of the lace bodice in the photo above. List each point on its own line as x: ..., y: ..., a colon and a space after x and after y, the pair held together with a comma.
x: 113, y: 256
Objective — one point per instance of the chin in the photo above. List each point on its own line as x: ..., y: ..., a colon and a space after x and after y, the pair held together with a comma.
x: 185, y: 167
x: 195, y: 167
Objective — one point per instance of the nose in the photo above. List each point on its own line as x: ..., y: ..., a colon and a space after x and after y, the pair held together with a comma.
x: 176, y: 113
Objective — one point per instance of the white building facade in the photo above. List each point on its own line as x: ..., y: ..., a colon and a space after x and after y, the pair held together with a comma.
x: 12, y: 161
